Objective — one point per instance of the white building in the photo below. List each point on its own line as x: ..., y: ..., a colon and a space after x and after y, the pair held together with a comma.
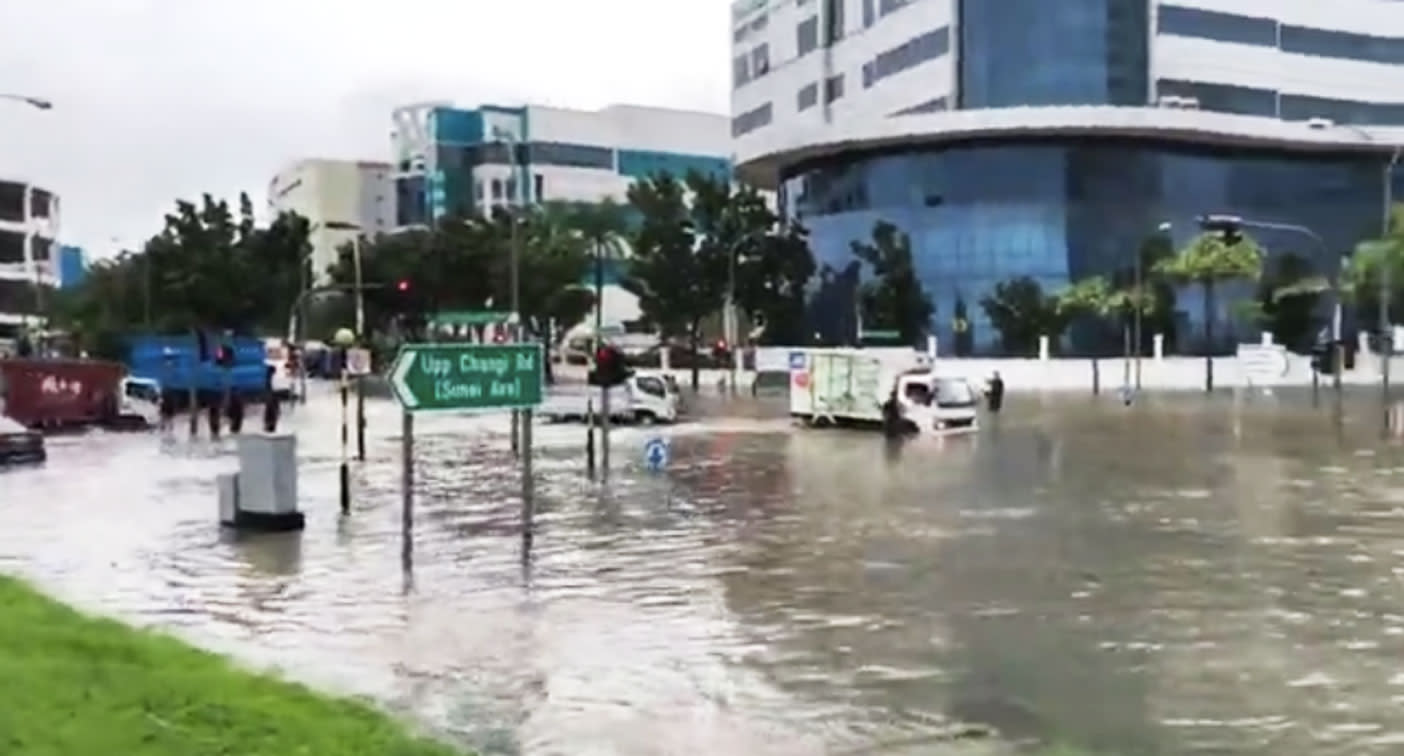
x: 454, y: 160
x: 29, y: 226
x: 341, y: 199
x: 1052, y: 139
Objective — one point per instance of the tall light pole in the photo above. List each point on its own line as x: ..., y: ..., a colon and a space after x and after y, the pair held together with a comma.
x: 39, y: 103
x: 360, y: 334
x: 730, y: 317
x: 518, y: 187
x: 1386, y: 328
x: 1164, y: 230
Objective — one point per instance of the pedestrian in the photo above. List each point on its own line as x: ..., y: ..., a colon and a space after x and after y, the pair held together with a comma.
x: 271, y: 407
x: 168, y: 410
x: 994, y: 392
x: 236, y: 412
x: 212, y: 407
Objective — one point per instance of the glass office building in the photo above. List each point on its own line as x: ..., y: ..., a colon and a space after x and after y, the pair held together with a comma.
x: 985, y: 205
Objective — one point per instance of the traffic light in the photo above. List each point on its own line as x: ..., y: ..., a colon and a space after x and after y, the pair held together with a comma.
x: 611, y: 368
x: 224, y: 356
x: 720, y: 353
x: 402, y: 286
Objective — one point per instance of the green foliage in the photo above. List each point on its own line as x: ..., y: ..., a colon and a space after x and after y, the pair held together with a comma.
x: 1286, y: 300
x: 207, y: 268
x: 80, y: 685
x: 1022, y: 312
x: 1208, y: 259
x: 893, y: 300
x: 1372, y: 260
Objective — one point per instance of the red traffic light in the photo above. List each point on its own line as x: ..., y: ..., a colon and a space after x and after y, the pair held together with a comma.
x: 402, y: 286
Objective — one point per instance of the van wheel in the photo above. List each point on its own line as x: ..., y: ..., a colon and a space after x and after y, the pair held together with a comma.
x: 645, y: 418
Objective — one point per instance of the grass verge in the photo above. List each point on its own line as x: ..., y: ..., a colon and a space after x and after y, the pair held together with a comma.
x: 73, y: 685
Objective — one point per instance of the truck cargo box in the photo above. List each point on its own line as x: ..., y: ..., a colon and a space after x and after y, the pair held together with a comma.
x: 59, y: 392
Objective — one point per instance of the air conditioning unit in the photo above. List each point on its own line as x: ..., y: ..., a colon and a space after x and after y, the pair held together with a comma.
x: 1320, y: 123
x: 1178, y: 103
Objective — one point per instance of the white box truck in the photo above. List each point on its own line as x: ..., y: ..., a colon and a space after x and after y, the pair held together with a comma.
x: 849, y: 387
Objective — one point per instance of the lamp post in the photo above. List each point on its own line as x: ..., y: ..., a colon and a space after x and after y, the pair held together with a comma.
x: 1231, y: 223
x: 730, y: 316
x: 1136, y: 336
x: 360, y: 331
x: 517, y: 185
x: 343, y: 339
x: 1386, y: 328
x: 34, y: 102
x: 39, y: 103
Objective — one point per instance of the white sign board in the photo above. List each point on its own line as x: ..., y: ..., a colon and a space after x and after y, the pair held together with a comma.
x: 1263, y: 363
x: 358, y: 361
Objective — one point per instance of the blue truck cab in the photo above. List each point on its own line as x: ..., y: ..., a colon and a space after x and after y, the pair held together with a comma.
x: 174, y: 363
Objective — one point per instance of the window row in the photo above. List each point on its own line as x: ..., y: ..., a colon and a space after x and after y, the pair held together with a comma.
x: 913, y: 52
x: 930, y: 106
x: 12, y: 202
x: 12, y: 247
x: 1229, y: 98
x: 751, y: 120
x: 535, y: 153
x: 1268, y: 32
x: 748, y: 67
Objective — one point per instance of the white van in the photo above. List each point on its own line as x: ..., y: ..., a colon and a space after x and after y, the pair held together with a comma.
x: 851, y: 386
x: 645, y: 398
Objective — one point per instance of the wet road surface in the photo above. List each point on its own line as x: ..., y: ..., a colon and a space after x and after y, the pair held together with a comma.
x: 1173, y: 577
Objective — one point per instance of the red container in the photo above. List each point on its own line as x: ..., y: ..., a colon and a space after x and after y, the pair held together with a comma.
x: 51, y: 393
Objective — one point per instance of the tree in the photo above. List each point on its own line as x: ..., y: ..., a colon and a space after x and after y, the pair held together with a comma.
x: 1282, y: 306
x: 893, y: 299
x: 1022, y: 312
x: 207, y: 268
x: 1208, y: 260
x: 1090, y: 296
x: 1371, y: 260
x: 678, y: 274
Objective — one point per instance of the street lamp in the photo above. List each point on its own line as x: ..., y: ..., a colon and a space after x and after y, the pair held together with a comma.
x: 1164, y: 230
x: 1230, y: 225
x: 34, y: 102
x: 343, y: 339
x: 730, y: 316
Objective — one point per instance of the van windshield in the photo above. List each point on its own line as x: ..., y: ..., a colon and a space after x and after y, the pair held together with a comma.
x: 146, y: 391
x: 953, y: 391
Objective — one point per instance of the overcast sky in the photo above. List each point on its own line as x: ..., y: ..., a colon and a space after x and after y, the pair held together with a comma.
x: 159, y: 99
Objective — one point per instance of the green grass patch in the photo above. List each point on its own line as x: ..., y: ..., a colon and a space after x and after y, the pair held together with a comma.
x: 73, y: 685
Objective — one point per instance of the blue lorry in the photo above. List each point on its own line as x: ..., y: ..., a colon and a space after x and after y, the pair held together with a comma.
x: 174, y: 362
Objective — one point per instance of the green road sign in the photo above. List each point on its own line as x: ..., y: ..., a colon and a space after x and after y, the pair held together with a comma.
x: 468, y: 376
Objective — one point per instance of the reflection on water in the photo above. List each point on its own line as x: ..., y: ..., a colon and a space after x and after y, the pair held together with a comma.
x: 1173, y: 577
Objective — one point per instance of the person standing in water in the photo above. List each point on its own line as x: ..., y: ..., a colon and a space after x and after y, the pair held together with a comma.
x: 994, y: 392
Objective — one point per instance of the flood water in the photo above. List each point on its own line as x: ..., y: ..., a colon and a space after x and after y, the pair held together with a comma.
x: 1171, y: 578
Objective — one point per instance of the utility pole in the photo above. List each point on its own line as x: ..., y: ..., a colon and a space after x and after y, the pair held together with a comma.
x: 1386, y: 340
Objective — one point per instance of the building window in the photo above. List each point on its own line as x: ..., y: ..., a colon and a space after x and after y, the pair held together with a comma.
x: 510, y: 190
x: 1221, y: 27
x: 571, y: 155
x: 869, y: 14
x: 751, y: 120
x: 539, y: 187
x: 930, y: 106
x: 39, y: 248
x: 833, y: 21
x: 892, y: 6
x: 807, y: 97
x: 12, y: 201
x: 11, y: 247
x: 760, y: 61
x: 497, y: 189
x: 740, y: 71
x: 1344, y: 45
x: 807, y: 36
x: 833, y: 88
x: 1222, y: 98
x: 913, y: 52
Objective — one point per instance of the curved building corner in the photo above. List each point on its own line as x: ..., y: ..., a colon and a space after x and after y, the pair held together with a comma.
x: 29, y: 226
x: 1008, y: 140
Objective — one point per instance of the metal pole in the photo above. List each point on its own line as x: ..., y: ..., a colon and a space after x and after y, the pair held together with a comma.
x: 300, y: 335
x: 345, y: 441
x: 516, y: 184
x: 528, y: 481
x: 406, y: 488
x: 1136, y: 321
x: 590, y: 438
x: 604, y: 434
x: 603, y: 417
x: 1336, y: 351
x: 731, y: 313
x: 360, y: 418
x: 1386, y: 340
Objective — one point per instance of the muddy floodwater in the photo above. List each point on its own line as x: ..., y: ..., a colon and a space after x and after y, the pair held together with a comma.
x: 1175, y: 577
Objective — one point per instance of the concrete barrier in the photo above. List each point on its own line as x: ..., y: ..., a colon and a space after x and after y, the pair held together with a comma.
x: 262, y: 495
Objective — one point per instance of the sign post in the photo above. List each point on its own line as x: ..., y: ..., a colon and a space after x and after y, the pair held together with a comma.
x: 456, y: 377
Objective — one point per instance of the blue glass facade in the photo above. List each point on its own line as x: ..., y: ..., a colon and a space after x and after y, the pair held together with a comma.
x: 1061, y: 209
x: 1090, y: 52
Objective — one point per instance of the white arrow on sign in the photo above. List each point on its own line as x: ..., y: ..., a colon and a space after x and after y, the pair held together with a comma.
x: 403, y: 362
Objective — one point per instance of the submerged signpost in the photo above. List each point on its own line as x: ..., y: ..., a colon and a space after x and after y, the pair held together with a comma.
x: 452, y: 377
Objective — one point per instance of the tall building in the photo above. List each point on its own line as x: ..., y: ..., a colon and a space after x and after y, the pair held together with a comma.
x: 29, y: 224
x: 1052, y: 139
x: 462, y: 161
x: 72, y: 266
x: 340, y: 198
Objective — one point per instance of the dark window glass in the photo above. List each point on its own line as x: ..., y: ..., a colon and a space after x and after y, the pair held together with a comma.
x: 1222, y: 98
x: 40, y: 247
x: 40, y: 203
x: 807, y: 97
x: 751, y: 120
x: 11, y: 201
x: 1015, y: 53
x: 930, y: 106
x: 540, y: 187
x: 22, y: 296
x: 760, y: 61
x: 1338, y: 44
x: 833, y: 21
x: 11, y: 248
x: 889, y: 6
x: 411, y: 208
x: 1223, y: 27
x: 572, y: 155
x: 1304, y: 107
x: 1057, y: 210
x: 807, y: 35
x: 915, y: 51
x: 833, y: 88
x: 869, y: 13
x: 740, y: 70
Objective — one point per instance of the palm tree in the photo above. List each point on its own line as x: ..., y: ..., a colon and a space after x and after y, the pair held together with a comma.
x: 1090, y: 296
x: 1208, y: 260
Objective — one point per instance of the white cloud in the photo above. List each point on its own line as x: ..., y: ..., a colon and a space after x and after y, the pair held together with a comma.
x: 159, y: 99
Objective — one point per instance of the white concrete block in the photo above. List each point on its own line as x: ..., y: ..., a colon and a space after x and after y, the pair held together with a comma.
x: 268, y: 473
x: 227, y: 484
